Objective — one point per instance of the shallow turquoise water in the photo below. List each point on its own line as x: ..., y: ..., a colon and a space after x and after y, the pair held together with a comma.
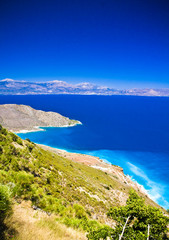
x: 132, y: 132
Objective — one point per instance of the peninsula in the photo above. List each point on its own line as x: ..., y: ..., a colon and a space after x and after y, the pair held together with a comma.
x: 22, y: 118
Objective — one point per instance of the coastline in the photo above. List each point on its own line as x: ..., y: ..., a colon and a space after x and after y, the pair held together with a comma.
x: 115, y: 171
x: 95, y: 162
x: 41, y: 128
x: 20, y: 118
x: 35, y: 129
x: 144, y: 167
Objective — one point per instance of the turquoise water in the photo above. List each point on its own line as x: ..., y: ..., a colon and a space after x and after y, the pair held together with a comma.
x: 132, y: 132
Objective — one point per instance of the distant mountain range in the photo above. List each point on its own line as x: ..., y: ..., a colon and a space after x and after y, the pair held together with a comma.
x: 18, y: 87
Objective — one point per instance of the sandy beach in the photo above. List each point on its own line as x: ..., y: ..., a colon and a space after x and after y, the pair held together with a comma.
x: 34, y: 129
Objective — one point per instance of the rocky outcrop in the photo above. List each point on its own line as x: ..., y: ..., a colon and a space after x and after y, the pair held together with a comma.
x: 21, y: 117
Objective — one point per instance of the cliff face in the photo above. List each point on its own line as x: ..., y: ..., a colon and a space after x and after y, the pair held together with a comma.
x: 21, y: 117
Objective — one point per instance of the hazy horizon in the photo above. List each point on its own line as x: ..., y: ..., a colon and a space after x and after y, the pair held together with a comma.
x: 120, y: 86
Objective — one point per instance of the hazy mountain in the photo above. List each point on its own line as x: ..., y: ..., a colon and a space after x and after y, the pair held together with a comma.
x: 17, y: 87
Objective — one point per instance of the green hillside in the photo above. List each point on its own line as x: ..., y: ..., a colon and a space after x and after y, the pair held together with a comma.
x: 79, y: 196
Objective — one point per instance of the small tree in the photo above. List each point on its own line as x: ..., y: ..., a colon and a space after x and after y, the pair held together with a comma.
x: 141, y: 220
x: 136, y: 221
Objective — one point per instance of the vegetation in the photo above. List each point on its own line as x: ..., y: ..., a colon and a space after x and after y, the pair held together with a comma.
x: 5, y: 202
x: 27, y: 224
x: 134, y: 221
x: 54, y: 183
x: 77, y: 195
x: 5, y: 206
x: 72, y: 191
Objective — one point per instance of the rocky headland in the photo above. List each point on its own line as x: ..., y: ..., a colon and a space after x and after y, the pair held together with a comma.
x: 22, y: 118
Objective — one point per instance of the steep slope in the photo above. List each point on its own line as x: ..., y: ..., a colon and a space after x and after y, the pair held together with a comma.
x: 75, y: 193
x: 18, y: 117
x: 28, y: 224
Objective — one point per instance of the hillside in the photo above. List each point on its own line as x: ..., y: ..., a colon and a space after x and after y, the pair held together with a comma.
x: 21, y: 117
x: 29, y: 224
x: 78, y: 195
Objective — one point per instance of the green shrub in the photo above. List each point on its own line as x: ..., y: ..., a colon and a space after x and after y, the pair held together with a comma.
x: 14, y: 137
x: 79, y: 211
x: 101, y: 233
x: 5, y: 202
x: 10, y: 151
x: 68, y: 212
x: 3, y: 131
x: 1, y: 150
x: 23, y: 182
x: 83, y: 223
x: 50, y: 204
x: 30, y: 146
x: 19, y: 141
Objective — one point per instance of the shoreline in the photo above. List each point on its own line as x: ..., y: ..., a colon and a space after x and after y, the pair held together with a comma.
x: 95, y: 162
x: 35, y: 129
x: 41, y: 128
x: 115, y: 171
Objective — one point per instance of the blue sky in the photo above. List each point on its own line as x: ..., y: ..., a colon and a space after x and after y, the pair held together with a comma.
x: 122, y: 43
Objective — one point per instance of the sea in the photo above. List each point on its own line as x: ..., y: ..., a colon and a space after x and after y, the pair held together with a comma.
x: 129, y: 131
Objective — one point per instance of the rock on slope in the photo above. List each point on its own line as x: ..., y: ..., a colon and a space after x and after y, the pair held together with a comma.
x: 21, y: 117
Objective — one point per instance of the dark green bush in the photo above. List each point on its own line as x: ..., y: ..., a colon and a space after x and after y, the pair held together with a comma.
x: 5, y: 202
x: 1, y: 150
x: 3, y: 131
x: 101, y: 233
x: 14, y: 137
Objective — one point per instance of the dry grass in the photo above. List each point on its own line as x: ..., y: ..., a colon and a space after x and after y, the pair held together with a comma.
x: 35, y: 225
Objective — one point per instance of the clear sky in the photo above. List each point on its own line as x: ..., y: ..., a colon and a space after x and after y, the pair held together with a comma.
x: 118, y: 43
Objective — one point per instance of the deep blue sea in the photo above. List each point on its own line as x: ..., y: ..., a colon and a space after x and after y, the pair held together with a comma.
x: 132, y: 132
